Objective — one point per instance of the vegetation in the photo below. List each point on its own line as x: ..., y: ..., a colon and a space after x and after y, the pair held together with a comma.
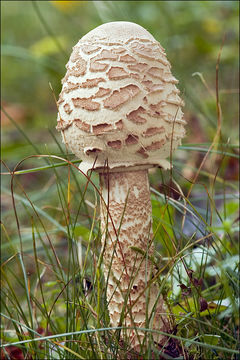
x: 53, y: 301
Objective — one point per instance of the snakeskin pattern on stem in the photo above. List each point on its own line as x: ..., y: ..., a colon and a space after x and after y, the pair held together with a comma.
x: 127, y: 197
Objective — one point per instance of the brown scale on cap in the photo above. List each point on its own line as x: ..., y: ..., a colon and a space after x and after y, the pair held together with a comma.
x: 127, y: 59
x: 157, y: 108
x: 153, y: 131
x: 155, y: 88
x: 89, y: 83
x: 131, y: 140
x: 120, y: 96
x: 135, y: 76
x: 93, y: 151
x: 119, y: 50
x: 119, y: 125
x: 155, y: 145
x: 105, y: 127
x: 70, y: 87
x: 117, y: 73
x: 156, y: 72
x: 115, y: 144
x: 135, y: 115
x: 86, y: 103
x: 106, y: 55
x: 96, y: 66
x: 102, y: 128
x: 140, y: 67
x: 142, y: 152
x: 90, y: 49
x: 149, y: 52
x: 63, y: 125
x: 149, y: 84
x: 78, y: 69
x: 82, y: 125
x: 67, y: 109
x: 102, y: 92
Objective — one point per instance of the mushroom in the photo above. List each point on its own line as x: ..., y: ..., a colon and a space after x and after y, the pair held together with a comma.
x: 120, y: 112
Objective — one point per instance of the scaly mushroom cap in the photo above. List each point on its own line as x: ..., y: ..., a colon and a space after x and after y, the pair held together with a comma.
x: 119, y: 101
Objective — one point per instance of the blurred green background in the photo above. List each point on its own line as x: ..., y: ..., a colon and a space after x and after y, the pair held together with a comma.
x: 37, y: 38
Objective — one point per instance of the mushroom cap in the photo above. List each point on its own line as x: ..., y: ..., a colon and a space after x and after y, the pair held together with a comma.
x: 119, y: 104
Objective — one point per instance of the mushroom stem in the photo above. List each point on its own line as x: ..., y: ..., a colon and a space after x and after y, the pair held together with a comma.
x: 126, y: 221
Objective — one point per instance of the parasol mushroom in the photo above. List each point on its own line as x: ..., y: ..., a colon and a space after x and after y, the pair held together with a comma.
x: 120, y: 112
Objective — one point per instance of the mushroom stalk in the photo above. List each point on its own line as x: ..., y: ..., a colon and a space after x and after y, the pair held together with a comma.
x: 126, y: 221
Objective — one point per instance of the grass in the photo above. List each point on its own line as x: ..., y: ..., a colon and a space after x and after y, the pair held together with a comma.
x: 53, y: 294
